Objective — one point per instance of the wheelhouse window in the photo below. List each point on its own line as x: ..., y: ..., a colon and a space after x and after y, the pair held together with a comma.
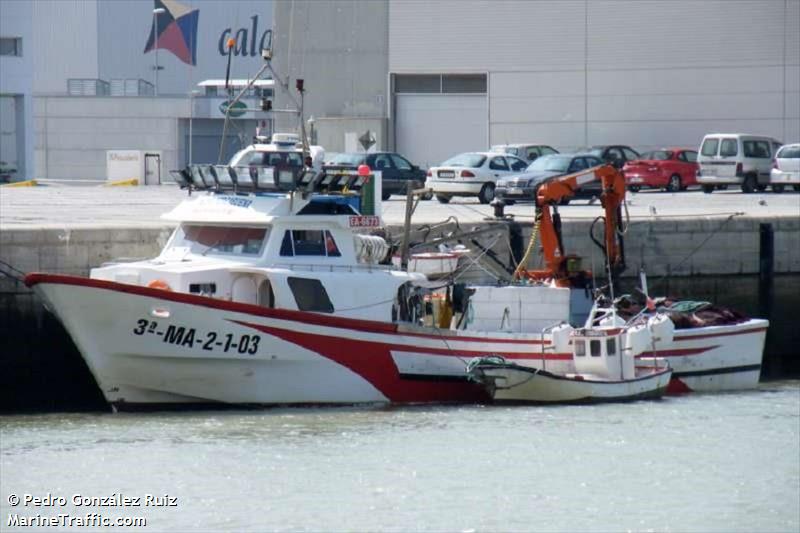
x: 309, y: 243
x: 611, y: 346
x: 595, y: 348
x: 220, y: 240
x: 580, y: 348
x: 310, y: 295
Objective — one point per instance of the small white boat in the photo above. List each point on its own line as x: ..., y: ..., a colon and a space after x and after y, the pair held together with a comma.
x: 605, y: 368
x: 433, y: 264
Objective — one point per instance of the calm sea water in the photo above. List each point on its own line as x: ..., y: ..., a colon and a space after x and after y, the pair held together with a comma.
x: 725, y: 462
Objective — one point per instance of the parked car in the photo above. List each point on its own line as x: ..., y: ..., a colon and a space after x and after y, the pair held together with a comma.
x: 472, y: 174
x: 396, y: 170
x: 736, y: 159
x: 526, y: 151
x: 523, y: 186
x: 613, y: 154
x: 671, y: 169
x: 7, y: 172
x: 786, y: 168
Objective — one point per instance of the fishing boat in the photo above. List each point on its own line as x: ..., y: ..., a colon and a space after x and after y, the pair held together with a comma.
x: 275, y: 292
x: 605, y: 368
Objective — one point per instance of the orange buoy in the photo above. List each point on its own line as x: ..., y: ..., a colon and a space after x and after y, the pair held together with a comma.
x: 159, y: 284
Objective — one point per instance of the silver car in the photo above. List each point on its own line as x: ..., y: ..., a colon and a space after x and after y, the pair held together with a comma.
x: 786, y: 168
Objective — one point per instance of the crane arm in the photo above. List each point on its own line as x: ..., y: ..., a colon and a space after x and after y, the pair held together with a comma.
x: 553, y: 191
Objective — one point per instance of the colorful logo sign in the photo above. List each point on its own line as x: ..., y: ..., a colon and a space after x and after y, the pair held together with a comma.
x: 175, y: 29
x: 236, y: 110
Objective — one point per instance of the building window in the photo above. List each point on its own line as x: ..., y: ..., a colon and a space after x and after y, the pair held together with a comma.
x: 464, y: 83
x: 440, y: 83
x: 310, y: 295
x: 10, y: 46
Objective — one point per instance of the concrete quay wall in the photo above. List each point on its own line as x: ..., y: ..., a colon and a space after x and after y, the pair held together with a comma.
x: 675, y: 246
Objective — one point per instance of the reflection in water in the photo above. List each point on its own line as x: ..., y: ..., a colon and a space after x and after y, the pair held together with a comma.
x: 697, y: 462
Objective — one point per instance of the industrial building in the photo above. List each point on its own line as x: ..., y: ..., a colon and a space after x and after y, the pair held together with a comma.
x: 428, y: 79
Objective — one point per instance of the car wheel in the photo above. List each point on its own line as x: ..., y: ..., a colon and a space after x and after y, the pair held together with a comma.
x: 634, y: 188
x: 674, y: 184
x: 708, y: 189
x: 443, y: 199
x: 487, y: 193
x: 385, y: 196
x: 778, y: 188
x: 749, y: 184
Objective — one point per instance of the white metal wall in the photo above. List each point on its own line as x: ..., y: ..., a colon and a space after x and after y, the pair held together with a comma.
x: 637, y: 72
x: 433, y: 127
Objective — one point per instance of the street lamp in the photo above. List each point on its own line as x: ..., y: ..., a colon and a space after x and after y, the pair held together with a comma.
x: 192, y: 94
x: 156, y: 12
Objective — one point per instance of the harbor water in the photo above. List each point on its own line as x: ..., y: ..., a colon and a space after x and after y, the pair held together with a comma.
x: 721, y: 462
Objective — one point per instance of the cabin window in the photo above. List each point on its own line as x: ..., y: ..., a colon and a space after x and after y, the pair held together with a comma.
x: 611, y: 346
x: 595, y: 348
x: 310, y: 295
x: 309, y: 242
x: 580, y: 348
x: 215, y: 240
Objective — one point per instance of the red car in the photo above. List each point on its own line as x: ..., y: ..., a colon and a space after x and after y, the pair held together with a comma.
x: 671, y: 169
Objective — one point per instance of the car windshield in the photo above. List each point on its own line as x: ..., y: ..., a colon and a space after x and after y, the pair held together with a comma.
x: 346, y: 159
x: 259, y: 158
x: 550, y: 163
x: 789, y: 152
x: 656, y: 155
x: 465, y: 160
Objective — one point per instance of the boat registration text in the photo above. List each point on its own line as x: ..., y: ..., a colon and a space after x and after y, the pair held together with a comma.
x: 187, y: 337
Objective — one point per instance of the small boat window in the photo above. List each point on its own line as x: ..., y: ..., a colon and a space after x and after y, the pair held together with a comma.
x: 611, y: 346
x: 580, y: 348
x: 309, y: 242
x: 595, y: 347
x: 215, y: 240
x: 310, y: 295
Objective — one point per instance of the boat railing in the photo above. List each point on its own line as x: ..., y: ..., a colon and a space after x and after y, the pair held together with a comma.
x: 279, y: 178
x: 333, y: 268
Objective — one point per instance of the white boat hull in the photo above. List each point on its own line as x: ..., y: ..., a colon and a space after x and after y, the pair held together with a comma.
x: 518, y: 384
x: 147, y: 347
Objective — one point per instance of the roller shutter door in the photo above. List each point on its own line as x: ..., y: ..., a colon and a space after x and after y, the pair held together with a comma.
x: 433, y: 127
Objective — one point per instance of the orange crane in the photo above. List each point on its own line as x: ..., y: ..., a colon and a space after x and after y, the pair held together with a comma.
x: 565, y: 270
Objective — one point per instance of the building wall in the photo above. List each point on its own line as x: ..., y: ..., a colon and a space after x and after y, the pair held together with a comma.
x: 647, y: 74
x: 65, y: 45
x: 74, y: 133
x: 16, y: 80
x: 340, y: 48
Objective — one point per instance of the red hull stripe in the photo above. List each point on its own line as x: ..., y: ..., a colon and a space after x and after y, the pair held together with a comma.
x: 450, y: 352
x: 683, y: 352
x: 373, y: 361
x: 724, y: 334
x: 370, y: 326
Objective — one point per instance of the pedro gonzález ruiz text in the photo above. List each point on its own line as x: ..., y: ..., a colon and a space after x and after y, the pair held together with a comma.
x: 80, y: 500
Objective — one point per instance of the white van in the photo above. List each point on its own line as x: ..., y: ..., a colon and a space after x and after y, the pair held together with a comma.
x: 735, y: 159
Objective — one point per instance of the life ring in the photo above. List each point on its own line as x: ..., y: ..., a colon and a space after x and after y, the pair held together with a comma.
x: 159, y: 284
